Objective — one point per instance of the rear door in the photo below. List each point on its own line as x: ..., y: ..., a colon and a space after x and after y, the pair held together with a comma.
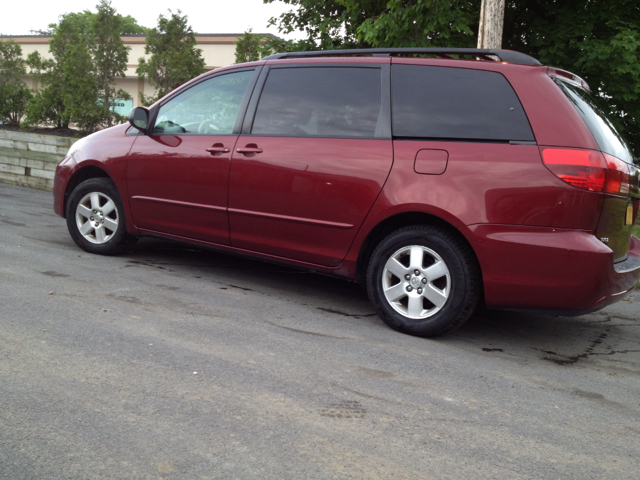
x: 178, y: 175
x: 312, y: 161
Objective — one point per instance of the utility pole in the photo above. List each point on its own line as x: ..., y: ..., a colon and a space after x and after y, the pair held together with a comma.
x: 491, y: 22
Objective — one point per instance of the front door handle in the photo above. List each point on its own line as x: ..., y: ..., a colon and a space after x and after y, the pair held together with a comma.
x: 249, y: 150
x: 218, y: 149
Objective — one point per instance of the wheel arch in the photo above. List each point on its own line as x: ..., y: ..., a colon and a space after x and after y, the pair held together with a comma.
x: 82, y: 174
x: 395, y: 222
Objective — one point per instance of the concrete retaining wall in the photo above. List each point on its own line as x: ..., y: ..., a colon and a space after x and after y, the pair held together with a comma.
x: 30, y: 159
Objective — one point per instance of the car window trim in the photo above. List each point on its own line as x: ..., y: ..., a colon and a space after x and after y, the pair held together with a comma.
x: 464, y: 140
x: 252, y: 107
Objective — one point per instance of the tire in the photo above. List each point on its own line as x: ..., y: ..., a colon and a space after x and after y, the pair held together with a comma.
x: 423, y: 281
x: 95, y: 218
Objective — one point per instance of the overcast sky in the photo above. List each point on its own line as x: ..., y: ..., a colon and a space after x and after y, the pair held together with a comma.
x: 205, y: 16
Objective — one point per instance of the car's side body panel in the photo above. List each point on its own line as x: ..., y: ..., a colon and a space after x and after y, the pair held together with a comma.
x: 546, y: 268
x: 305, y: 198
x: 176, y: 186
x: 106, y: 150
x: 488, y: 183
x: 317, y: 202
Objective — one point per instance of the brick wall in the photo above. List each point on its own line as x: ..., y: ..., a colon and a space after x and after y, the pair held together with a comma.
x: 30, y: 159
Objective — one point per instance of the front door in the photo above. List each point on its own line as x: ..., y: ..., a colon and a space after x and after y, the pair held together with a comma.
x: 178, y: 175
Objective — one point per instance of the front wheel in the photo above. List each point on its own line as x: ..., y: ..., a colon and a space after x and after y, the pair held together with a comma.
x: 95, y: 218
x: 423, y: 280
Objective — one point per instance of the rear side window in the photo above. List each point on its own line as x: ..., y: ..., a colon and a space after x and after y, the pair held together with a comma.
x: 324, y: 102
x: 455, y: 103
x: 606, y: 135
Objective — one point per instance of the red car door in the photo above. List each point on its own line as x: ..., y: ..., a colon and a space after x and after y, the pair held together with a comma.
x: 178, y: 175
x: 317, y: 156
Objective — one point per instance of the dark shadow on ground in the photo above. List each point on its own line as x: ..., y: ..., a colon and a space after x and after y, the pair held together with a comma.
x: 560, y: 339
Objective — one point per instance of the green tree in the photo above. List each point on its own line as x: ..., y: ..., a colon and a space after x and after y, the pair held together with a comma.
x: 174, y: 56
x: 596, y: 39
x: 421, y: 23
x: 378, y: 23
x: 78, y: 84
x: 109, y: 55
x: 47, y: 105
x: 327, y: 25
x: 248, y: 47
x: 86, y: 19
x: 69, y: 90
x: 129, y: 26
x: 14, y: 94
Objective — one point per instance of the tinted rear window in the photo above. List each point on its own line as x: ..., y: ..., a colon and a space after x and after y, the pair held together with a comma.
x: 457, y: 103
x: 606, y: 135
x: 325, y: 102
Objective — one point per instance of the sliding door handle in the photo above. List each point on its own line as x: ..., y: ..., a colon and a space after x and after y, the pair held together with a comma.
x: 249, y: 149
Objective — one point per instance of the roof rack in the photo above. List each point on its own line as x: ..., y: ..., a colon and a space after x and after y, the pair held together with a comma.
x: 509, y: 56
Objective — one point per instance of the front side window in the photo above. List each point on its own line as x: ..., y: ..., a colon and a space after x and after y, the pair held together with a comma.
x: 320, y: 101
x: 208, y: 108
x: 456, y: 103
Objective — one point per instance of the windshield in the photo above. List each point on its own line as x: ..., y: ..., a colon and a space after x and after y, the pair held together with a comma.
x: 607, y: 137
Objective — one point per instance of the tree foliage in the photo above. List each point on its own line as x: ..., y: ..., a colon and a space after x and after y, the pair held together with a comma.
x: 336, y: 24
x: 248, y: 47
x: 47, y: 105
x: 68, y: 90
x: 14, y: 94
x: 86, y: 19
x: 422, y: 23
x: 596, y: 39
x: 110, y: 57
x: 174, y: 56
x: 77, y: 83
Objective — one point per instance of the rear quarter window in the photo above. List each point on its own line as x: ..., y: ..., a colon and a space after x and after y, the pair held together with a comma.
x: 456, y: 103
x: 605, y: 134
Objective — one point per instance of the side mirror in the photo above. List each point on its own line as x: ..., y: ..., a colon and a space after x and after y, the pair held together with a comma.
x: 139, y: 118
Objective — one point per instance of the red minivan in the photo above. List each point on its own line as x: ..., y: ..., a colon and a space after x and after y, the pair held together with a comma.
x: 437, y: 182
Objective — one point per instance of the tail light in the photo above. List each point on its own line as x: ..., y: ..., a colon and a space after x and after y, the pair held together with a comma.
x: 588, y: 170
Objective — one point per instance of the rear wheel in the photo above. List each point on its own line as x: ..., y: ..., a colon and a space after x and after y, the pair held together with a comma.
x: 423, y: 280
x: 95, y: 218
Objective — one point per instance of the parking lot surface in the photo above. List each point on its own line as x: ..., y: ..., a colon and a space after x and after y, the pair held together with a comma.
x: 175, y: 362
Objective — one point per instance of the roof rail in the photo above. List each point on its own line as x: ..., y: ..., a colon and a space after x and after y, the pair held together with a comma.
x: 509, y: 56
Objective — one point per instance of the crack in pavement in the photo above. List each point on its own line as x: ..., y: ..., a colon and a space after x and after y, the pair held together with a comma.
x: 345, y: 314
x: 306, y: 331
x: 571, y: 359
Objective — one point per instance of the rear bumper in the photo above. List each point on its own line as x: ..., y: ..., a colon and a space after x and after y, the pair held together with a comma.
x: 550, y: 269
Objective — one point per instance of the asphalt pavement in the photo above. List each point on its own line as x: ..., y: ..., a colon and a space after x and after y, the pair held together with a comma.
x: 179, y: 363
